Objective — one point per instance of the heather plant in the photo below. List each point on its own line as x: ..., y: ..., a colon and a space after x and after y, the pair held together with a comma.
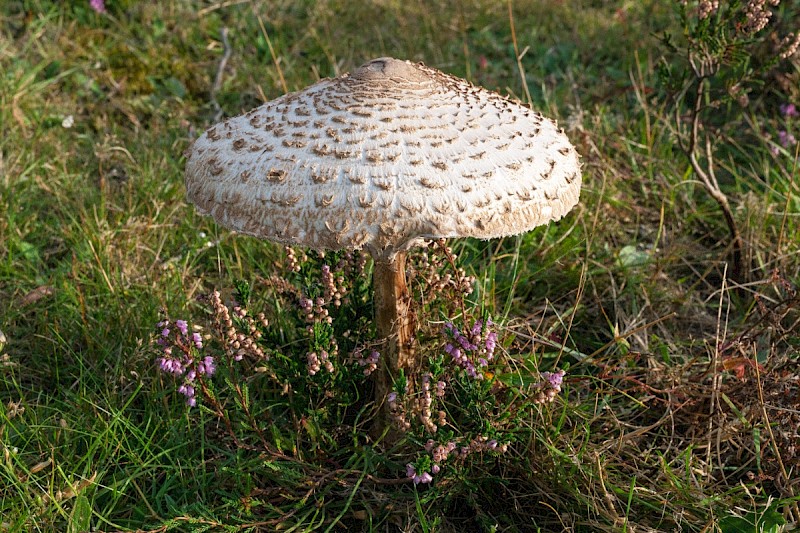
x: 304, y: 373
x: 710, y: 76
x: 469, y: 402
x: 303, y: 364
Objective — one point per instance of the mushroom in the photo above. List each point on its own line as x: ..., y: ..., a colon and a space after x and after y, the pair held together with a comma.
x: 384, y: 158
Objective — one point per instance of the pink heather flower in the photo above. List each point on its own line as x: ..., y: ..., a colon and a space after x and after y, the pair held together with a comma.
x: 476, y: 348
x: 410, y: 471
x: 554, y: 378
x: 476, y: 328
x: 435, y: 469
x: 179, y: 358
x: 197, y: 339
x: 370, y: 363
x: 392, y: 397
x: 789, y: 110
x: 786, y: 139
x: 98, y: 5
x: 188, y: 391
x: 313, y: 363
x: 440, y: 453
x: 491, y: 343
x: 547, y: 389
x: 424, y: 478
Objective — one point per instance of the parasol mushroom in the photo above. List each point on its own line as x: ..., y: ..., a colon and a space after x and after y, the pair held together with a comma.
x: 383, y: 158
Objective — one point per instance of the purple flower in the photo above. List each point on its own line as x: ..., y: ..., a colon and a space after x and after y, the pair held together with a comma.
x: 98, y: 5
x: 476, y: 328
x: 491, y: 343
x: 198, y: 340
x: 170, y: 365
x: 179, y: 358
x: 424, y: 478
x: 473, y: 350
x: 789, y: 110
x: 208, y: 365
x: 786, y: 139
x: 547, y: 389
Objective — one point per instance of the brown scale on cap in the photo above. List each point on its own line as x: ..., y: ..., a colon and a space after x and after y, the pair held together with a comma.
x: 382, y: 158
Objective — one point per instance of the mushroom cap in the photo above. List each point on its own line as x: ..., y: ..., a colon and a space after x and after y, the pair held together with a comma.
x: 380, y: 158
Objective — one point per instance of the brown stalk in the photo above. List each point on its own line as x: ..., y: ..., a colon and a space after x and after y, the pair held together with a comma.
x: 706, y: 172
x: 395, y: 326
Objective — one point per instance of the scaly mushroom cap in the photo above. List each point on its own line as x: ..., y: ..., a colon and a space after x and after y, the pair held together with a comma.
x: 392, y: 153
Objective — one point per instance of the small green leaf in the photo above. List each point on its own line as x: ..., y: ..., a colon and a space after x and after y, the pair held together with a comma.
x: 242, y: 291
x: 174, y: 86
x: 769, y: 521
x: 80, y: 518
x: 632, y: 256
x: 28, y: 251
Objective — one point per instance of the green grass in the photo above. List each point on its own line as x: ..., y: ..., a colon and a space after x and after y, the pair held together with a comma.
x: 654, y: 432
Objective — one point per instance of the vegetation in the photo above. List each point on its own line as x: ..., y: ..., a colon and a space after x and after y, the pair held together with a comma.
x: 158, y: 373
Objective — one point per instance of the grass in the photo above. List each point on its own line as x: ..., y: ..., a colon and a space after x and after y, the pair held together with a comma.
x: 680, y: 409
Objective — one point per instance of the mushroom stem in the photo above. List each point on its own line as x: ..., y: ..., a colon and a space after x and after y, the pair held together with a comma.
x: 395, y: 324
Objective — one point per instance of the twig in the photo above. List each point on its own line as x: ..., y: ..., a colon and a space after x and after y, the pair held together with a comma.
x: 706, y: 174
x: 716, y: 377
x: 206, y: 10
x: 223, y: 62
